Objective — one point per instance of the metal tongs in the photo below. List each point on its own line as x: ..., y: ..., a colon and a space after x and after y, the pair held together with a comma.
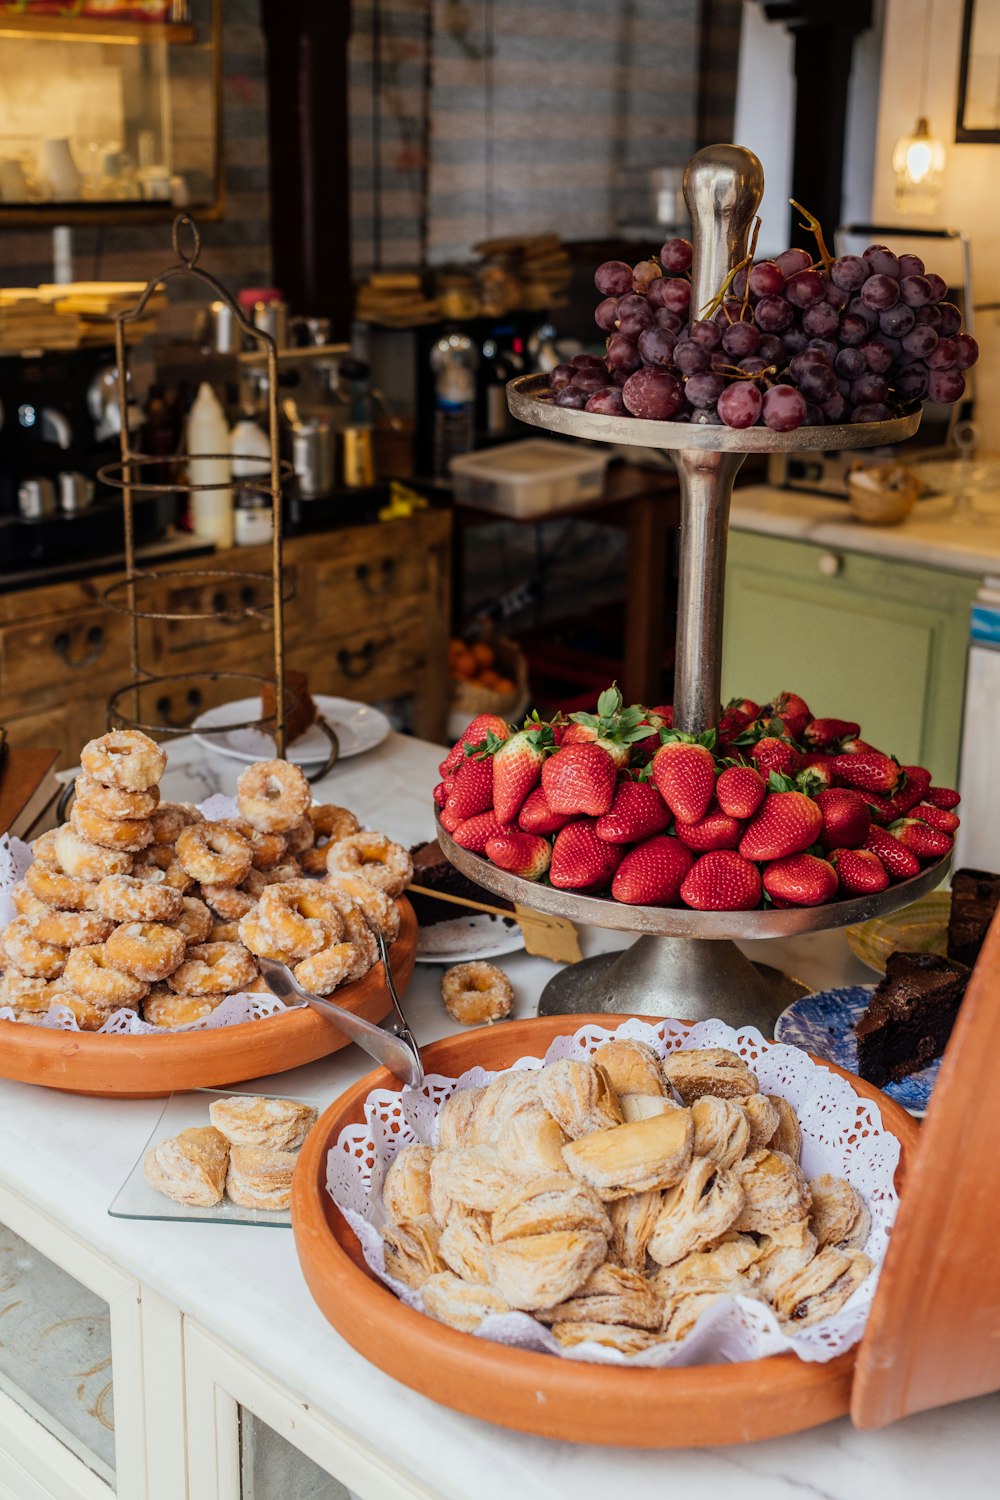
x: 395, y: 1048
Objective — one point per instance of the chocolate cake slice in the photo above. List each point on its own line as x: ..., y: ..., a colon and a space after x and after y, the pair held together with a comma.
x: 435, y: 873
x: 910, y: 1016
x: 975, y: 895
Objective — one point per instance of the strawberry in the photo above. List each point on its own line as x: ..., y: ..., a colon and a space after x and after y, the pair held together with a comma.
x: 661, y: 716
x: 846, y: 818
x: 615, y: 728
x: 920, y: 839
x: 942, y: 796
x: 814, y: 773
x: 450, y: 819
x: 477, y: 732
x: 739, y: 791
x: 900, y: 863
x: 745, y: 706
x: 652, y: 873
x: 937, y: 817
x: 882, y: 809
x: 523, y: 854
x: 826, y: 734
x: 579, y: 779
x: 443, y: 791
x: 474, y: 833
x: 800, y: 880
x: 732, y: 722
x: 716, y: 830
x: 684, y: 772
x: 855, y: 746
x: 793, y: 711
x: 580, y: 860
x: 859, y: 872
x: 776, y: 753
x: 637, y: 812
x: 918, y: 781
x: 536, y: 816
x: 722, y: 880
x: 517, y: 769
x: 787, y: 823
x: 473, y: 789
x: 867, y: 771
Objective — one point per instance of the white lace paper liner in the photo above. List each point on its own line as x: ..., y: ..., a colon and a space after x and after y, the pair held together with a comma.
x: 841, y: 1133
x: 15, y: 857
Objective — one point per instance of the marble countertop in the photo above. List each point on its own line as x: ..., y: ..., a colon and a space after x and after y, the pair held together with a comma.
x: 244, y: 1286
x: 929, y: 536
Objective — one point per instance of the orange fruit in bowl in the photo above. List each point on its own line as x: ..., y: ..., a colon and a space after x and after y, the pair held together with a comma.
x: 463, y: 666
x: 483, y: 653
x: 503, y: 685
x: 489, y: 679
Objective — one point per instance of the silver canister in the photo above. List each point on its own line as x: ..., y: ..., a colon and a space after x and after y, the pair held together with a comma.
x: 76, y: 492
x: 36, y: 498
x: 272, y: 318
x: 312, y: 455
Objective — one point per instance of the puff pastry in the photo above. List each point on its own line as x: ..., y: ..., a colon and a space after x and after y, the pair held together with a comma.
x: 459, y: 1303
x: 543, y: 1269
x: 454, y: 1119
x: 695, y: 1212
x: 260, y: 1178
x: 822, y: 1287
x: 190, y: 1167
x: 502, y: 1102
x: 776, y: 1193
x: 709, y: 1070
x: 680, y: 1314
x: 632, y: 1222
x: 839, y: 1214
x: 463, y: 1247
x: 641, y: 1106
x: 610, y: 1335
x: 728, y: 1266
x: 469, y: 1176
x: 634, y: 1158
x: 579, y: 1096
x: 788, y: 1134
x: 632, y: 1067
x: 532, y: 1145
x: 611, y: 1294
x: 547, y: 1204
x: 721, y: 1129
x: 251, y: 1120
x: 411, y: 1251
x: 406, y: 1191
x: 763, y: 1117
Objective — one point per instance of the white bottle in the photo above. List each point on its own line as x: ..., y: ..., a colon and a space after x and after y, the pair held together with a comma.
x: 253, y: 519
x: 208, y: 433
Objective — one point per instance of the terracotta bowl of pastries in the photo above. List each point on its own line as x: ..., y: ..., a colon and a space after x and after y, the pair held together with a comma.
x: 570, y: 1400
x: 146, y: 1067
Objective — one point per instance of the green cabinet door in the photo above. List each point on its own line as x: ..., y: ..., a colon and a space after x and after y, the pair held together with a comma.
x: 863, y: 638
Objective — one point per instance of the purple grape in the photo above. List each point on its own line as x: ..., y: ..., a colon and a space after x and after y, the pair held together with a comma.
x: 966, y: 351
x: 860, y: 309
x: 821, y: 320
x: 938, y: 286
x: 931, y: 315
x: 676, y: 295
x: 878, y: 356
x: 790, y: 262
x: 664, y: 318
x: 587, y: 362
x: 771, y: 348
x: 849, y: 272
x: 740, y: 404
x: 834, y: 408
x: 754, y: 365
x: 911, y: 383
x: 871, y: 411
x: 655, y: 291
x: 606, y: 314
x: 644, y: 273
x: 868, y: 388
x: 915, y: 291
x: 704, y: 391
x: 729, y: 312
x: 844, y: 387
x: 817, y: 383
x: 920, y: 340
x: 739, y: 283
x: 589, y: 380
x: 607, y: 402
x: 910, y: 265
x: 894, y: 346
x: 676, y: 255
x: 829, y: 347
x: 613, y: 278
x: 837, y: 296
x: 708, y: 418
x: 656, y: 346
x: 942, y: 356
x: 766, y: 279
x: 773, y: 314
x: 793, y: 342
x: 850, y: 362
x: 814, y: 415
x: 880, y: 261
x: 707, y: 333
x: 806, y: 360
x: 571, y: 397
x: 618, y: 377
x: 853, y: 330
x: 654, y: 394
x: 634, y: 314
x: 945, y: 385
x: 741, y: 339
x: 691, y: 358
x: 623, y: 353
x: 805, y: 288
x: 951, y: 319
x: 880, y: 291
x: 896, y: 321
x: 784, y: 408
x: 560, y: 377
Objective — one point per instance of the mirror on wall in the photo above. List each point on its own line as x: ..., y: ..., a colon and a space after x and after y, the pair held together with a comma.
x: 979, y: 74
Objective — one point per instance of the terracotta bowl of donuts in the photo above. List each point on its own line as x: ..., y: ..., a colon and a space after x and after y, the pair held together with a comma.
x: 569, y: 1400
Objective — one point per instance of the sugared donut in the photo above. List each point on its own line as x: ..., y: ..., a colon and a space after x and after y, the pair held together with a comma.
x: 269, y: 849
x: 379, y: 910
x: 129, y: 834
x: 253, y: 936
x: 26, y: 992
x: 258, y: 880
x: 50, y: 885
x: 28, y: 954
x: 214, y: 853
x: 149, y: 950
x: 170, y: 817
x: 89, y: 1014
x: 125, y: 758
x: 88, y: 861
x: 71, y: 929
x: 114, y: 801
x: 300, y: 839
x: 323, y: 972
x: 299, y: 919
x: 164, y: 1008
x: 25, y: 902
x: 476, y: 993
x: 213, y: 969
x: 356, y: 930
x: 385, y: 865
x: 329, y: 824
x: 195, y: 920
x: 273, y: 795
x: 124, y: 898
x: 89, y: 972
x: 159, y: 863
x: 230, y: 902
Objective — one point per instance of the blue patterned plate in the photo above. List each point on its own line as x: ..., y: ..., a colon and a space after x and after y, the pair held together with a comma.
x: 824, y: 1024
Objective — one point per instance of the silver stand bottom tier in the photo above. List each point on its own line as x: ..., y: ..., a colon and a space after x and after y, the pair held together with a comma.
x: 677, y: 977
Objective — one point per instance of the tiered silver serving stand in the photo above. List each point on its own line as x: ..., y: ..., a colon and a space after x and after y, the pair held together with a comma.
x: 687, y: 964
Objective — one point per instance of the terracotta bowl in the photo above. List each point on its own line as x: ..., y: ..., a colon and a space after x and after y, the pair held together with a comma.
x: 146, y: 1067
x: 695, y: 1407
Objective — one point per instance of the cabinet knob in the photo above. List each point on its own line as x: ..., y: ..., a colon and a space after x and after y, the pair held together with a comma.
x: 830, y: 564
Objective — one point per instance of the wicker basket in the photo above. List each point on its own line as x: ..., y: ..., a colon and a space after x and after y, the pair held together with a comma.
x: 470, y: 698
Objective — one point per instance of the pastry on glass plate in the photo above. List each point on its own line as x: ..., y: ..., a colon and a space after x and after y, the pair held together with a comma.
x: 260, y: 1178
x: 252, y: 1120
x: 190, y: 1167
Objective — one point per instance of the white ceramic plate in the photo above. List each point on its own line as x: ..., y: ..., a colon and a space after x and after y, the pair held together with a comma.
x: 358, y: 727
x: 465, y: 939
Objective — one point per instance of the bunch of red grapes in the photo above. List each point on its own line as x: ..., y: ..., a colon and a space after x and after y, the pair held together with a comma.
x: 792, y: 342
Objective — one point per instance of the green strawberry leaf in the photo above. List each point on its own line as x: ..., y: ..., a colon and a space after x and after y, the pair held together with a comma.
x: 708, y: 739
x: 487, y: 747
x: 776, y: 782
x: 610, y: 701
x: 590, y: 720
x: 810, y: 782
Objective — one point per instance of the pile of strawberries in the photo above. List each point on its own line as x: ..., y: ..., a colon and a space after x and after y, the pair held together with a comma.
x: 772, y: 808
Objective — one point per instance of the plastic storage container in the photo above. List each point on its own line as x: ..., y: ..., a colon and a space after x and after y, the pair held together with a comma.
x: 533, y: 478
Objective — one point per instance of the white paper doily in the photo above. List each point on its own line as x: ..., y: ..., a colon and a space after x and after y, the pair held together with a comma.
x: 841, y: 1133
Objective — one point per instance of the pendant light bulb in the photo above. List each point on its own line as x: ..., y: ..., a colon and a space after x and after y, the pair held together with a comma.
x: 918, y: 163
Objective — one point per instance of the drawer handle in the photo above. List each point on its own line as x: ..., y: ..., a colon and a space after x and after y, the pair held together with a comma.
x: 164, y: 707
x: 830, y: 564
x: 355, y: 664
x: 95, y: 641
x: 387, y: 568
